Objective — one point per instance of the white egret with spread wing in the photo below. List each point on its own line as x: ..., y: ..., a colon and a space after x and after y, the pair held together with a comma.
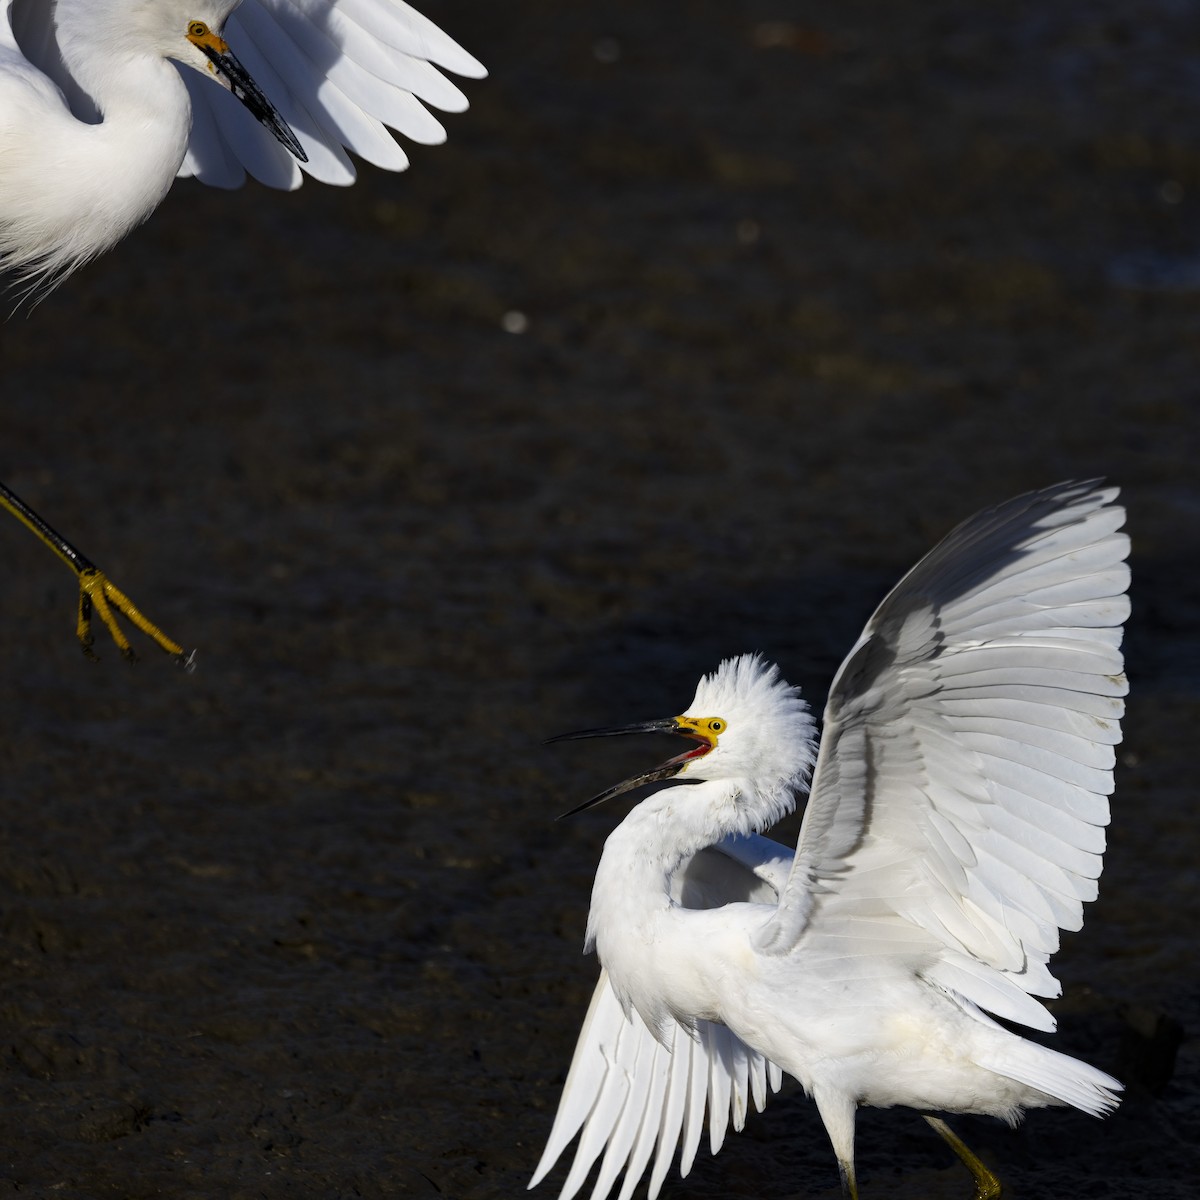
x: 104, y: 102
x: 955, y: 825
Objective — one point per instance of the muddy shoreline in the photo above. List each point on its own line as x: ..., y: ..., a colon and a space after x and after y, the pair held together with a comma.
x: 803, y: 290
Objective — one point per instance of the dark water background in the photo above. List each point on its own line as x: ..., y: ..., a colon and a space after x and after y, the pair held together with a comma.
x: 800, y: 296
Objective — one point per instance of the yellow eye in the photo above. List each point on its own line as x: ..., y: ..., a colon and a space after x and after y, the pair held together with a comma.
x: 197, y: 29
x: 716, y: 725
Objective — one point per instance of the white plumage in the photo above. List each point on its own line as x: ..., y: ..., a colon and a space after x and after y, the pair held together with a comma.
x: 955, y: 824
x: 104, y: 102
x: 342, y: 73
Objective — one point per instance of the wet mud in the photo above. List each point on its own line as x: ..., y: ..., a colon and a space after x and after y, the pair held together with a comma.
x: 708, y: 320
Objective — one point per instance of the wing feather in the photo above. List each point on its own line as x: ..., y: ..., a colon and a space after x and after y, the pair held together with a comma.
x: 717, y: 1041
x: 311, y: 102
x: 672, y: 1120
x: 963, y: 778
x: 648, y: 1131
x: 342, y: 73
x: 697, y: 1094
x: 627, y: 1093
x: 740, y: 1071
x: 646, y: 1079
x: 208, y: 155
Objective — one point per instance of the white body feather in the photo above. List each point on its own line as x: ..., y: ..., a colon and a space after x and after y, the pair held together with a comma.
x: 955, y: 825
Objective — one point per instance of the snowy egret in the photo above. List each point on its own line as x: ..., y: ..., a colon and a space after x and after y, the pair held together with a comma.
x: 96, y: 590
x: 96, y: 121
x: 955, y: 823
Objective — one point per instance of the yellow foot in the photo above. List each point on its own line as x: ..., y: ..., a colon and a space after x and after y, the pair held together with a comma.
x: 96, y: 591
x: 987, y: 1186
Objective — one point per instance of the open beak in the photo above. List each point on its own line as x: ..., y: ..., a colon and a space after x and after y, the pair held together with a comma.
x: 685, y: 726
x: 232, y: 76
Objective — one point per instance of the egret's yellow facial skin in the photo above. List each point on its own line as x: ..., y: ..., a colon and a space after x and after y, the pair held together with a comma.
x: 203, y: 38
x: 705, y: 730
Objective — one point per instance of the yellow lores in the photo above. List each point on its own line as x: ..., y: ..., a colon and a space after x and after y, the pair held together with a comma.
x: 204, y: 39
x: 96, y: 590
x: 705, y: 730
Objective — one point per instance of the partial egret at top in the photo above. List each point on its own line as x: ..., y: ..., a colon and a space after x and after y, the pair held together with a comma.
x: 955, y: 824
x: 104, y: 102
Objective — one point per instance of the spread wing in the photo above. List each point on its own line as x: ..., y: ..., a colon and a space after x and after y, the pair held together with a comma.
x: 966, y: 761
x: 630, y: 1096
x: 342, y: 73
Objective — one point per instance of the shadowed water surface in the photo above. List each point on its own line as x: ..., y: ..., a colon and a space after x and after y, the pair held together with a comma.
x: 801, y: 288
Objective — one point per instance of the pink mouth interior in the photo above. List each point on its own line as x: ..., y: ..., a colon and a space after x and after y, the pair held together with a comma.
x: 688, y: 755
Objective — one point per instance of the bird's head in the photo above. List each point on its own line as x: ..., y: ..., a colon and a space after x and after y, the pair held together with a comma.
x: 749, y: 725
x: 192, y: 32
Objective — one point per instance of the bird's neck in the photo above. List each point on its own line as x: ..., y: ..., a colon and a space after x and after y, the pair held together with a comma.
x: 662, y: 833
x: 634, y: 925
x: 632, y: 890
x: 69, y: 190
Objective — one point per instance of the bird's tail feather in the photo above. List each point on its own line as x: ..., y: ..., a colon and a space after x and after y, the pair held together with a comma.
x: 1065, y: 1079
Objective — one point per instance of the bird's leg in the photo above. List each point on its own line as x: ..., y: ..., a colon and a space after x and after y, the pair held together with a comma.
x: 849, y: 1182
x: 987, y: 1186
x: 837, y: 1112
x: 96, y: 591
